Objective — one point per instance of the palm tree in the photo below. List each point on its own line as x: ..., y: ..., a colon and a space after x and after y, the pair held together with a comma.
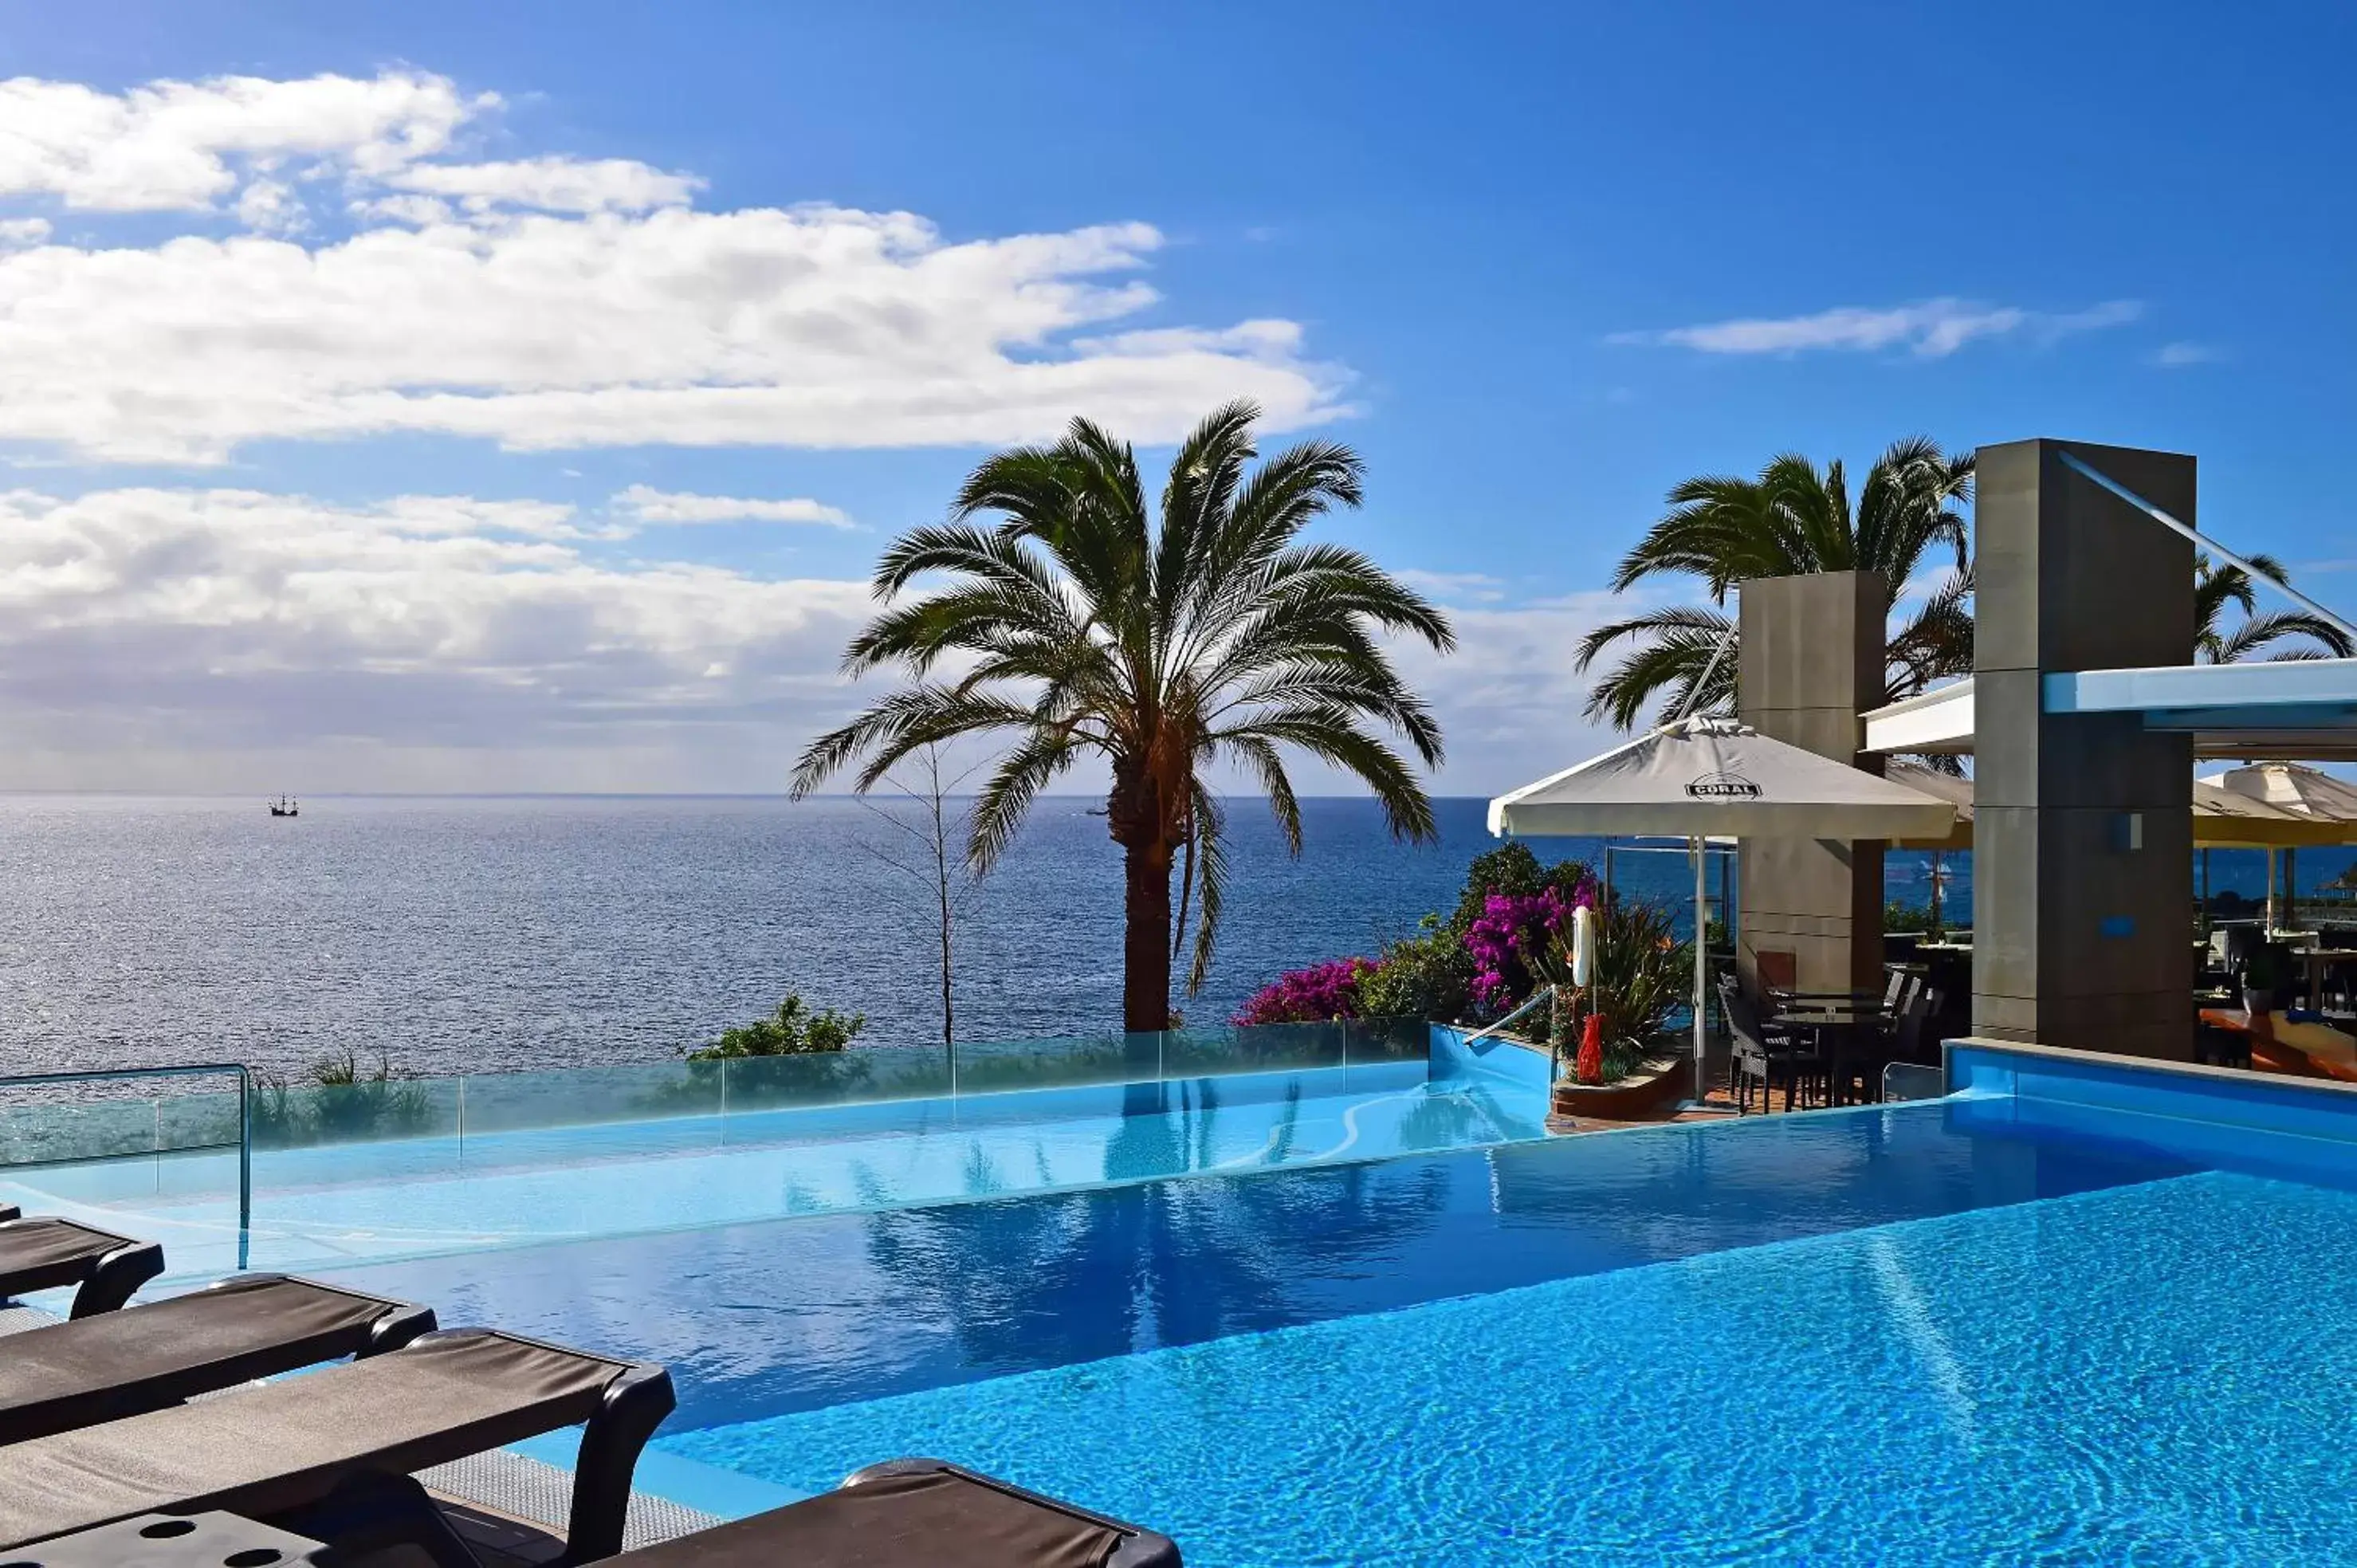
x: 1077, y: 627
x: 2215, y: 586
x: 1793, y: 519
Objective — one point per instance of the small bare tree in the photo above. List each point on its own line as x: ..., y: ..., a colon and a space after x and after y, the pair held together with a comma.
x: 932, y: 829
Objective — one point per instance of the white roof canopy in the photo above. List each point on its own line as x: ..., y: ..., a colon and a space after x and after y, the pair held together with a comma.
x: 2292, y: 707
x: 1702, y: 777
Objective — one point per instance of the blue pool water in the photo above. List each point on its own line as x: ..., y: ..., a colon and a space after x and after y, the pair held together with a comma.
x: 1970, y: 1331
x: 2101, y: 1378
x: 319, y: 1207
x: 759, y: 1319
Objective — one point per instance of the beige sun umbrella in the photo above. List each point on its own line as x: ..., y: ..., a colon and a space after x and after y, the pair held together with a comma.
x: 1700, y: 778
x: 2310, y: 794
x: 2223, y: 818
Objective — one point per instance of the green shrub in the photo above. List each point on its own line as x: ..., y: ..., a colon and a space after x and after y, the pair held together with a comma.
x: 1898, y: 915
x: 793, y: 1030
x: 1428, y: 976
x: 339, y: 1101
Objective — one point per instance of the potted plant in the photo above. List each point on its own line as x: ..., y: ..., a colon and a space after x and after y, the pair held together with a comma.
x: 1643, y: 973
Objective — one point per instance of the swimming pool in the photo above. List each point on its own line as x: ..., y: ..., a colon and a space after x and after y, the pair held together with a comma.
x: 321, y: 1207
x: 2023, y: 1325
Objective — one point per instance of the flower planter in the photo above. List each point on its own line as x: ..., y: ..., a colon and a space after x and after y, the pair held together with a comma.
x: 1651, y: 1093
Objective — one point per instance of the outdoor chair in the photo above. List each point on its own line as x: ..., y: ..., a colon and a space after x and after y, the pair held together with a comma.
x: 1911, y: 1031
x: 330, y: 1454
x: 1762, y: 1052
x: 2215, y: 1045
x: 51, y: 1254
x: 77, y: 1374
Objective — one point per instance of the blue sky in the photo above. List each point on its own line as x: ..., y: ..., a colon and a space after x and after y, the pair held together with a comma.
x: 1491, y: 233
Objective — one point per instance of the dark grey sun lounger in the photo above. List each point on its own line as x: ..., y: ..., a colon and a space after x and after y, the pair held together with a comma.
x: 50, y: 1254
x: 917, y: 1513
x: 909, y: 1513
x: 70, y: 1375
x: 281, y: 1451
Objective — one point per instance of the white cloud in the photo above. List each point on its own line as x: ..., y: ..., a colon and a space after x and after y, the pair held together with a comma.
x: 553, y: 185
x: 229, y: 639
x: 812, y: 328
x: 1454, y: 587
x: 1932, y: 330
x: 178, y: 146
x: 139, y: 627
x: 1510, y: 704
x: 2177, y: 356
x: 23, y: 230
x: 548, y: 302
x: 643, y: 504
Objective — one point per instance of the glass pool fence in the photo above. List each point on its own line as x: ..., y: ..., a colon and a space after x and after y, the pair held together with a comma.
x: 45, y: 1123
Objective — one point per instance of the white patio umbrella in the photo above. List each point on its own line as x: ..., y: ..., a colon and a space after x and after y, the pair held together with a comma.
x: 1702, y: 777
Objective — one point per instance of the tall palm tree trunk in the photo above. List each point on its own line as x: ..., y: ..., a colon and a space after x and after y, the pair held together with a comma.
x: 1134, y: 820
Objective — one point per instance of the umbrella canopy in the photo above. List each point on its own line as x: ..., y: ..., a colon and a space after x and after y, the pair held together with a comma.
x: 1701, y: 777
x: 2223, y: 818
x: 2292, y: 787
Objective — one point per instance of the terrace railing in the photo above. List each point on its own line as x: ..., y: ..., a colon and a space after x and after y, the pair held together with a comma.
x: 270, y: 1114
x: 102, y: 1122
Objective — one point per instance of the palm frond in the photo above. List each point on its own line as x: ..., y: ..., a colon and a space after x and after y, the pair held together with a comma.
x: 999, y: 808
x: 1208, y: 836
x: 2260, y: 632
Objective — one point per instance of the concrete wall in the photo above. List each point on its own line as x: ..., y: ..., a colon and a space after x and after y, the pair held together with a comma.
x: 1812, y: 655
x: 2080, y: 939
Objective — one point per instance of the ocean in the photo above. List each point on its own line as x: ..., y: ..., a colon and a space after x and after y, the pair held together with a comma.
x: 485, y: 934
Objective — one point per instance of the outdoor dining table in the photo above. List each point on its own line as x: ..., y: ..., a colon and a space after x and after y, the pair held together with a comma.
x: 1847, y: 1025
x: 2318, y: 960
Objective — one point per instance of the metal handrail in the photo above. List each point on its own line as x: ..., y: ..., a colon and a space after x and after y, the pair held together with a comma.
x: 2256, y: 573
x: 244, y: 1119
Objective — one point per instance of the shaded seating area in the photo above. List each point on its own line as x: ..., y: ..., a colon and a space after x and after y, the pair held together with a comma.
x: 109, y: 1456
x: 1828, y: 1048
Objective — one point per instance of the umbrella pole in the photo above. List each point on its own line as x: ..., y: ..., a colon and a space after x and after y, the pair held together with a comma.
x: 1702, y: 971
x: 2205, y: 897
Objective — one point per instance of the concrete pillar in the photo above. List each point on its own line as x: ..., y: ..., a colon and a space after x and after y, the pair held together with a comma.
x: 1812, y: 656
x: 2082, y: 832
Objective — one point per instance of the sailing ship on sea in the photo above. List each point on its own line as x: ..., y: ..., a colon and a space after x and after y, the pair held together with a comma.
x: 284, y: 806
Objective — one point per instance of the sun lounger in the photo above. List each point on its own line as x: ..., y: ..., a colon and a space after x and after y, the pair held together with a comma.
x: 124, y: 1363
x: 908, y: 1513
x: 10, y: 1211
x: 914, y: 1513
x: 50, y: 1254
x: 284, y: 1452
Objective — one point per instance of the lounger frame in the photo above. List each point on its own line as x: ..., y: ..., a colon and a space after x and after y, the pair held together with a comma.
x: 106, y: 1281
